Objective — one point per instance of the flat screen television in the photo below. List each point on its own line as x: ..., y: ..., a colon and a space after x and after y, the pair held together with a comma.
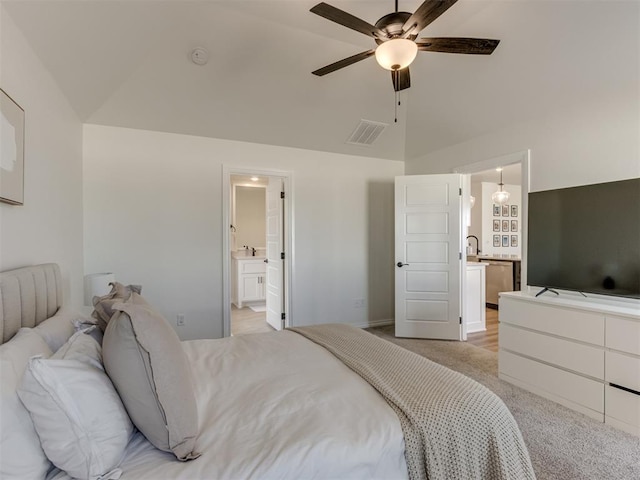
x: 586, y: 239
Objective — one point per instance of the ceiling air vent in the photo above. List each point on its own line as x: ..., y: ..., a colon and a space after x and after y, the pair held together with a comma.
x: 366, y: 132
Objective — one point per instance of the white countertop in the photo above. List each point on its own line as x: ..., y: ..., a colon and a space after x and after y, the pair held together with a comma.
x: 476, y: 265
x: 505, y: 257
x: 243, y: 255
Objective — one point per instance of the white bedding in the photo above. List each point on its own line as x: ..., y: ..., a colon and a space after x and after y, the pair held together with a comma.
x: 276, y: 405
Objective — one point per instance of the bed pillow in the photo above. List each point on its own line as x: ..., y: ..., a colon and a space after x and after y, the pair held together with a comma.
x: 103, y: 306
x: 58, y: 329
x: 22, y: 455
x: 82, y: 424
x: 145, y: 360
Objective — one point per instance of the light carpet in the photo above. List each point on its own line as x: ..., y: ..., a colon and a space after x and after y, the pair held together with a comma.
x: 563, y: 444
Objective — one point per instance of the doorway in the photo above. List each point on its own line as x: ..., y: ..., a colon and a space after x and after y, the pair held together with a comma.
x: 257, y: 250
x: 497, y: 236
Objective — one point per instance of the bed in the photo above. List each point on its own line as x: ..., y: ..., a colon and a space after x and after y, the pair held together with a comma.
x: 280, y: 405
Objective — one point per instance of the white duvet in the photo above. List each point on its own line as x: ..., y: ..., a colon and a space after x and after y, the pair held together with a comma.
x: 276, y: 406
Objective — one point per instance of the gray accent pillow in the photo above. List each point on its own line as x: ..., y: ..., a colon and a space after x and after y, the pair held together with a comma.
x: 103, y: 306
x: 144, y: 359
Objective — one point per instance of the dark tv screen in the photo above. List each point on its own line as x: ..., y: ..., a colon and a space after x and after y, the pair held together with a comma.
x: 586, y: 239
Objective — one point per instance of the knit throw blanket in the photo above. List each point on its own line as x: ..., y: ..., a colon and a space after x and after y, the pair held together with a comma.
x: 454, y: 428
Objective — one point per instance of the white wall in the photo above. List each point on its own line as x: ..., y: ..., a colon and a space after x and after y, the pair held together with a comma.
x: 475, y: 228
x: 153, y: 214
x: 48, y: 228
x: 591, y: 143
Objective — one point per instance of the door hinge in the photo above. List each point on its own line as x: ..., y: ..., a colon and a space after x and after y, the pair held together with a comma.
x: 281, y: 255
x: 281, y: 194
x: 283, y: 316
x: 459, y: 255
x: 460, y: 320
x: 460, y: 191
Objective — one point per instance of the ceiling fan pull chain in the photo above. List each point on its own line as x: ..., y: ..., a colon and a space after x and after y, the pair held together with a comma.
x: 395, y: 105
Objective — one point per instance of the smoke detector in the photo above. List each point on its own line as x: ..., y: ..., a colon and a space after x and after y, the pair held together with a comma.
x: 199, y: 56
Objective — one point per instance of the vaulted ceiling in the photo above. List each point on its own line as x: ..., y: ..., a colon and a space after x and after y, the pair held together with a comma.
x: 127, y: 63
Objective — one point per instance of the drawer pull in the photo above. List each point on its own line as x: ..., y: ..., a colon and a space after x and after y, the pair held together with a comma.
x: 620, y: 387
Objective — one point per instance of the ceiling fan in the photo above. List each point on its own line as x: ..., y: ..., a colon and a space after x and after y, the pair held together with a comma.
x: 396, y: 34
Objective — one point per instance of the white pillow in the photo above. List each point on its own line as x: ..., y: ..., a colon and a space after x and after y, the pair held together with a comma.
x: 83, y: 426
x: 58, y: 329
x: 20, y: 451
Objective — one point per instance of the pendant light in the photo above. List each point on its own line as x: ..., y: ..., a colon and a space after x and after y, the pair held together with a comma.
x: 501, y: 196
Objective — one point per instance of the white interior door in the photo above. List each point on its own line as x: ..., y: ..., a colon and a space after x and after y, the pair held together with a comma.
x: 428, y: 238
x: 275, y: 249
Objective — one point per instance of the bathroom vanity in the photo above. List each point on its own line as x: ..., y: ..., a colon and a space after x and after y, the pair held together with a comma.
x: 248, y: 277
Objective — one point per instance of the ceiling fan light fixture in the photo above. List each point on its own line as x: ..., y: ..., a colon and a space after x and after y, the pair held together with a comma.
x: 396, y: 54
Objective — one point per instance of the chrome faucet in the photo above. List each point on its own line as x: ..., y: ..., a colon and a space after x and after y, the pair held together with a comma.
x: 477, y: 243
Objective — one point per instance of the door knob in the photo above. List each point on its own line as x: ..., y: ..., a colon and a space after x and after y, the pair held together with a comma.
x: 266, y: 260
x: 400, y: 264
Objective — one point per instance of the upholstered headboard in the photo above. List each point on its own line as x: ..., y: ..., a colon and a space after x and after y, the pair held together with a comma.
x: 28, y: 296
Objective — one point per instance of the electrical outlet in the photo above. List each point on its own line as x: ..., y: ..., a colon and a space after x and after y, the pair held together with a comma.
x: 180, y: 319
x: 358, y: 303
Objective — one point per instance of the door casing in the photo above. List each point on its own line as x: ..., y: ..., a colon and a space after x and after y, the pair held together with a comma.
x: 287, y: 178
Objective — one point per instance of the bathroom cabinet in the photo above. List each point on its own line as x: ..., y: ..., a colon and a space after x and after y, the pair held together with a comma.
x: 248, y: 280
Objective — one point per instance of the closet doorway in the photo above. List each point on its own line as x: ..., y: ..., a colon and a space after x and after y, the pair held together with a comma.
x: 257, y: 251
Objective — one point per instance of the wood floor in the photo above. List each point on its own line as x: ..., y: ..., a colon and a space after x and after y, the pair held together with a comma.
x: 489, y: 338
x: 244, y: 321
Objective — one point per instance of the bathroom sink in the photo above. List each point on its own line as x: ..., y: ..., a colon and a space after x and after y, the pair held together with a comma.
x: 240, y: 254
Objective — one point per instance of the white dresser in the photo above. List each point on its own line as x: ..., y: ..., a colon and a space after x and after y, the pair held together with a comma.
x: 581, y: 353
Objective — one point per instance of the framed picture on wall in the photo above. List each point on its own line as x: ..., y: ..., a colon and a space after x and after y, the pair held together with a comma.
x: 505, y: 210
x: 496, y: 210
x: 514, y: 240
x: 496, y: 240
x: 505, y: 225
x: 496, y: 226
x: 505, y: 240
x: 514, y: 210
x: 12, y: 151
x: 514, y: 225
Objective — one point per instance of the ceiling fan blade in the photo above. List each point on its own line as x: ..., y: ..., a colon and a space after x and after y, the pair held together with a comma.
x: 347, y: 20
x: 401, y: 79
x: 345, y: 62
x: 475, y: 46
x: 425, y: 14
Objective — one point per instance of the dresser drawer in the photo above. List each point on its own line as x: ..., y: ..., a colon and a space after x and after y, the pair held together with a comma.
x: 622, y: 409
x: 551, y: 382
x: 574, y: 324
x: 578, y: 357
x: 623, y: 370
x: 623, y: 334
